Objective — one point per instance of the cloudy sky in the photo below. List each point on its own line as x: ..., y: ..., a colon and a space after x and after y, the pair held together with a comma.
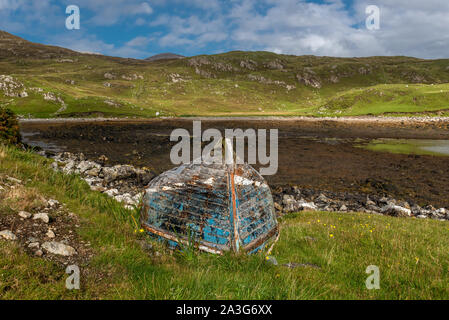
x: 141, y: 28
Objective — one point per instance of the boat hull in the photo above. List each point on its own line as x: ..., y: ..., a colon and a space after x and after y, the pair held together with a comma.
x: 217, y: 208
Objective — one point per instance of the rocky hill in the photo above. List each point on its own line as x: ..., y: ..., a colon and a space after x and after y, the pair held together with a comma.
x: 45, y: 81
x: 14, y: 47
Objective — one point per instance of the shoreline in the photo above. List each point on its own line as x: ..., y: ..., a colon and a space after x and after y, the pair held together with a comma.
x: 127, y: 184
x: 355, y: 119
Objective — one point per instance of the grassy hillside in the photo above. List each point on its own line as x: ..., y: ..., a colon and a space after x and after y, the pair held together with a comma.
x: 328, y: 252
x: 45, y: 81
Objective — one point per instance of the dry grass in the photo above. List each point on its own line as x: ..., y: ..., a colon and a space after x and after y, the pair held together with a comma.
x: 21, y: 198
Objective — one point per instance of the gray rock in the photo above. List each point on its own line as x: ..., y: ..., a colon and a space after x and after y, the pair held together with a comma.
x: 125, y: 198
x: 25, y: 215
x: 416, y: 210
x: 58, y: 248
x: 14, y: 180
x: 307, y: 206
x: 437, y: 215
x: 50, y: 234
x: 383, y: 200
x: 290, y: 204
x: 34, y: 245
x: 42, y: 216
x: 94, y: 172
x: 343, y: 208
x: 83, y: 166
x: 109, y: 76
x: 8, y: 235
x: 322, y: 199
x: 369, y: 202
x: 53, y: 203
x: 118, y: 172
x: 397, y: 211
x: 111, y: 192
x: 54, y: 165
x: 69, y: 167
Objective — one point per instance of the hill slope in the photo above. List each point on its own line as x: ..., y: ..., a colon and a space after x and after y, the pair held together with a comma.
x: 45, y: 81
x: 164, y: 56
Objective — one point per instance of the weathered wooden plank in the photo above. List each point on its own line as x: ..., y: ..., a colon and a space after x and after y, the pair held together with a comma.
x: 224, y: 207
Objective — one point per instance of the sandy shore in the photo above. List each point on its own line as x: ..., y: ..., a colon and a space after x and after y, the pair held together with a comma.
x: 361, y: 119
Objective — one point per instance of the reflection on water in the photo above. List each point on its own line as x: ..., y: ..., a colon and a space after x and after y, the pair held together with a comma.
x: 27, y: 138
x: 409, y: 146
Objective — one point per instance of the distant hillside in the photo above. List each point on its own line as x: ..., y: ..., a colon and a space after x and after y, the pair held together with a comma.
x: 164, y: 56
x: 12, y: 46
x: 45, y: 81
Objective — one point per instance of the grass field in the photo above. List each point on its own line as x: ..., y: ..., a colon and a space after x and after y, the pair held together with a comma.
x: 336, y: 249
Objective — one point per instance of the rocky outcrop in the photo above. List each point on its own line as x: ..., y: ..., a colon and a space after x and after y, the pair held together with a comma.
x: 223, y: 67
x: 301, y: 199
x: 248, y: 64
x: 263, y: 80
x: 274, y: 65
x: 12, y: 87
x: 109, y: 76
x: 175, y: 78
x: 309, y: 78
x: 204, y: 73
x: 198, y: 62
x: 124, y: 183
x: 132, y: 77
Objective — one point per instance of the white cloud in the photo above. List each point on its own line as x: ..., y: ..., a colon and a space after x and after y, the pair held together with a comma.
x: 191, y: 31
x: 110, y: 12
x: 407, y: 27
x: 138, y: 42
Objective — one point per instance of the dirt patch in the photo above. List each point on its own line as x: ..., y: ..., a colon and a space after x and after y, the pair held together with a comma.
x: 23, y: 212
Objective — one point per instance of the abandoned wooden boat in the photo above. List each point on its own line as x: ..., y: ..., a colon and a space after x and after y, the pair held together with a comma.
x: 221, y: 207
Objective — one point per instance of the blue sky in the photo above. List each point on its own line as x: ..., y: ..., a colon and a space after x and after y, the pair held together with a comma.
x: 141, y: 28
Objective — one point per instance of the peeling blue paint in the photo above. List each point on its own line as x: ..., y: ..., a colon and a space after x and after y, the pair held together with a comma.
x: 200, y: 199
